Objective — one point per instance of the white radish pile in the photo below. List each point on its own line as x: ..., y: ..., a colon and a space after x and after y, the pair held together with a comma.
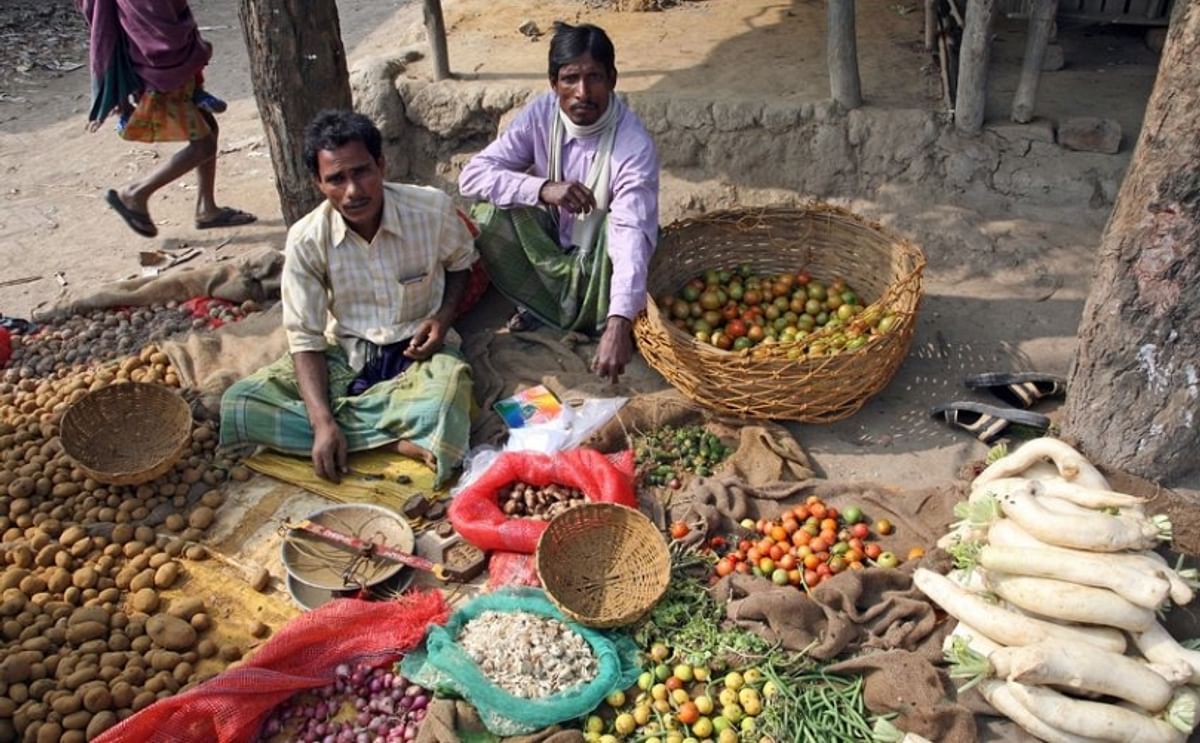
x: 1056, y: 599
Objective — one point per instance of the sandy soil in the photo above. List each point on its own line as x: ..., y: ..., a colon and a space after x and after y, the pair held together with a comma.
x: 1016, y: 307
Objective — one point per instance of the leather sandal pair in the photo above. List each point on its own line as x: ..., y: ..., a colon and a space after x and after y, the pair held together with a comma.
x: 1020, y: 390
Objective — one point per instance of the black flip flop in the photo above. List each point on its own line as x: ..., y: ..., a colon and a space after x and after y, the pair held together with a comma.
x: 139, y: 222
x: 1021, y: 389
x: 523, y: 321
x: 227, y: 217
x: 986, y: 422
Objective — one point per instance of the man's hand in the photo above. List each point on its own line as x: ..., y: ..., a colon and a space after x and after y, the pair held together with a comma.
x: 616, y: 349
x: 329, y: 452
x: 570, y: 195
x: 428, y: 340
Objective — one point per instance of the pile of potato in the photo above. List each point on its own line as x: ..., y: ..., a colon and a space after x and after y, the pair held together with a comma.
x: 87, y: 639
x: 104, y: 335
x: 521, y: 500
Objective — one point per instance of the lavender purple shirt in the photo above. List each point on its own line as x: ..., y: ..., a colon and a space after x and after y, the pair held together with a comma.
x: 511, y: 170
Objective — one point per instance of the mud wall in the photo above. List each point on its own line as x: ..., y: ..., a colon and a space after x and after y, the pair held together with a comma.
x: 807, y: 148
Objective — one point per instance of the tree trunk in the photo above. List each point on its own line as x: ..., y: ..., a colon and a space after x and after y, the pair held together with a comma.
x: 435, y: 29
x: 1134, y: 394
x: 1041, y: 20
x: 971, y: 95
x: 842, y: 54
x: 298, y: 67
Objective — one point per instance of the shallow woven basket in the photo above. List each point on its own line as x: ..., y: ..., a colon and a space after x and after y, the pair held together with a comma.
x: 828, y: 242
x: 127, y: 434
x: 603, y: 565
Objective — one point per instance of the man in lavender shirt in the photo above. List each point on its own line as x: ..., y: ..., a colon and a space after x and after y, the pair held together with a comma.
x: 569, y: 217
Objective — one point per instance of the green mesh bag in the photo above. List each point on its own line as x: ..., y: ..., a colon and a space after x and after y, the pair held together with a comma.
x: 442, y: 664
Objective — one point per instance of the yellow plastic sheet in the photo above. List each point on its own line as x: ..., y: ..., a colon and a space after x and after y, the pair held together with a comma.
x: 380, y: 478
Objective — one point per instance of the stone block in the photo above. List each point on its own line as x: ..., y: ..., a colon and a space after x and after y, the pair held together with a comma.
x: 689, y: 114
x: 1090, y: 134
x: 1054, y: 59
x: 1038, y: 130
x: 1156, y: 38
x: 731, y: 116
x: 779, y: 117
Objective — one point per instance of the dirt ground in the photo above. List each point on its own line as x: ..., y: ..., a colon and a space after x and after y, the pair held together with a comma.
x: 1006, y: 284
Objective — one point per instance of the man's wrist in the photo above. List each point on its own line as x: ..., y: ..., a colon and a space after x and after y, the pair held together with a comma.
x: 618, y: 322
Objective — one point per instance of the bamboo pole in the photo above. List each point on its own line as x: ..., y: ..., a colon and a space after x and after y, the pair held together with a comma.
x: 435, y: 29
x: 1041, y: 19
x: 973, y: 57
x: 842, y: 54
x: 930, y: 24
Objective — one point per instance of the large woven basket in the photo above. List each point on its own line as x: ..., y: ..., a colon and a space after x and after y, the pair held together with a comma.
x: 828, y: 242
x: 127, y: 434
x: 603, y: 565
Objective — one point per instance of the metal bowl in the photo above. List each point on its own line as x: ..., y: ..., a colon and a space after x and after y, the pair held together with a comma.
x: 319, y: 564
x: 309, y: 598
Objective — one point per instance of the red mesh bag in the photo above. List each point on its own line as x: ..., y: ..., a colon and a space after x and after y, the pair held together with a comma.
x: 231, y: 707
x: 5, y: 346
x: 476, y: 513
x: 512, y: 569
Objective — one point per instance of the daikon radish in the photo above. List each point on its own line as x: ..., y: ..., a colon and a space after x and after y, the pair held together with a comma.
x: 1183, y: 583
x: 1001, y: 697
x: 1070, y: 602
x: 975, y: 639
x: 1005, y: 533
x: 1098, y: 532
x: 1075, y: 566
x: 1062, y: 505
x: 1072, y: 466
x: 1158, y: 645
x: 1094, y: 719
x: 1080, y: 667
x: 1004, y: 626
x: 1068, y: 491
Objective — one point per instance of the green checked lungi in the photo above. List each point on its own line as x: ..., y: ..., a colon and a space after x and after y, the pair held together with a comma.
x: 568, y: 290
x: 429, y: 405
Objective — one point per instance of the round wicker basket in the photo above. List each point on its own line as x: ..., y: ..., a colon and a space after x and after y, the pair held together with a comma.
x: 603, y: 565
x: 828, y: 242
x: 127, y: 434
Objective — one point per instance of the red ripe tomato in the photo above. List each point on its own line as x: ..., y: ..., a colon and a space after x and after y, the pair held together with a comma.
x: 856, y: 544
x: 729, y: 312
x: 790, y: 525
x: 801, y: 538
x: 801, y: 513
x: 795, y: 577
x: 742, y: 567
x: 744, y: 545
x: 860, y: 530
x: 787, y: 562
x: 679, y: 530
x: 735, y: 328
x: 831, y: 512
x: 802, y: 278
x: 811, y: 578
x: 829, y: 524
x: 753, y: 555
x: 872, y: 550
x: 779, y: 533
x: 818, y: 545
x: 776, y: 552
x: 818, y: 510
x: 824, y: 569
x: 724, y: 567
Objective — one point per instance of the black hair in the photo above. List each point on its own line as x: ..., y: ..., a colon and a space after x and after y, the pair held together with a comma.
x: 572, y: 42
x: 334, y: 128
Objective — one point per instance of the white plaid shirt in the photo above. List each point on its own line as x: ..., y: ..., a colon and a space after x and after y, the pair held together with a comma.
x: 337, y: 288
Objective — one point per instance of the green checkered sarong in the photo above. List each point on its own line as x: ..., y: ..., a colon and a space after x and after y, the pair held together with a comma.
x: 568, y: 290
x: 429, y: 405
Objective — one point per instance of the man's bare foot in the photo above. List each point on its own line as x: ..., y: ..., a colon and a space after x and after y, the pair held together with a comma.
x: 412, y: 451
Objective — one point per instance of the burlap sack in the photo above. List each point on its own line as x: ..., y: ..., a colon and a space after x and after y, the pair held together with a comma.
x: 448, y: 720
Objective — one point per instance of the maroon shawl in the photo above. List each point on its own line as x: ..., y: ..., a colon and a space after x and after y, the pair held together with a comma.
x: 164, y: 42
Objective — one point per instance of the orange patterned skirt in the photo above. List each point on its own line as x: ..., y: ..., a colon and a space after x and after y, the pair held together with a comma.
x: 167, y: 117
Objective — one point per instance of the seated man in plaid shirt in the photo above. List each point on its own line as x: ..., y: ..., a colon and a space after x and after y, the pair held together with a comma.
x: 371, y: 280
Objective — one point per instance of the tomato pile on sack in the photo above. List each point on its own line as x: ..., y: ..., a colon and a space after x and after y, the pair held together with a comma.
x: 806, y: 545
x: 1057, y: 596
x: 737, y: 310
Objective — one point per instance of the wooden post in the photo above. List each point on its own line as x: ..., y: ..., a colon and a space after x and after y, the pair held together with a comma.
x: 842, y: 54
x: 435, y: 29
x: 298, y: 67
x: 973, y: 57
x: 1041, y: 19
x: 931, y: 25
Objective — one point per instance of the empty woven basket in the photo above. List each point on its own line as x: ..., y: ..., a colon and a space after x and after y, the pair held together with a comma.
x: 827, y: 241
x: 127, y: 434
x: 603, y: 565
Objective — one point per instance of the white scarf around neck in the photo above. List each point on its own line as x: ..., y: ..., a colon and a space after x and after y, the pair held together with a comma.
x: 586, y: 227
